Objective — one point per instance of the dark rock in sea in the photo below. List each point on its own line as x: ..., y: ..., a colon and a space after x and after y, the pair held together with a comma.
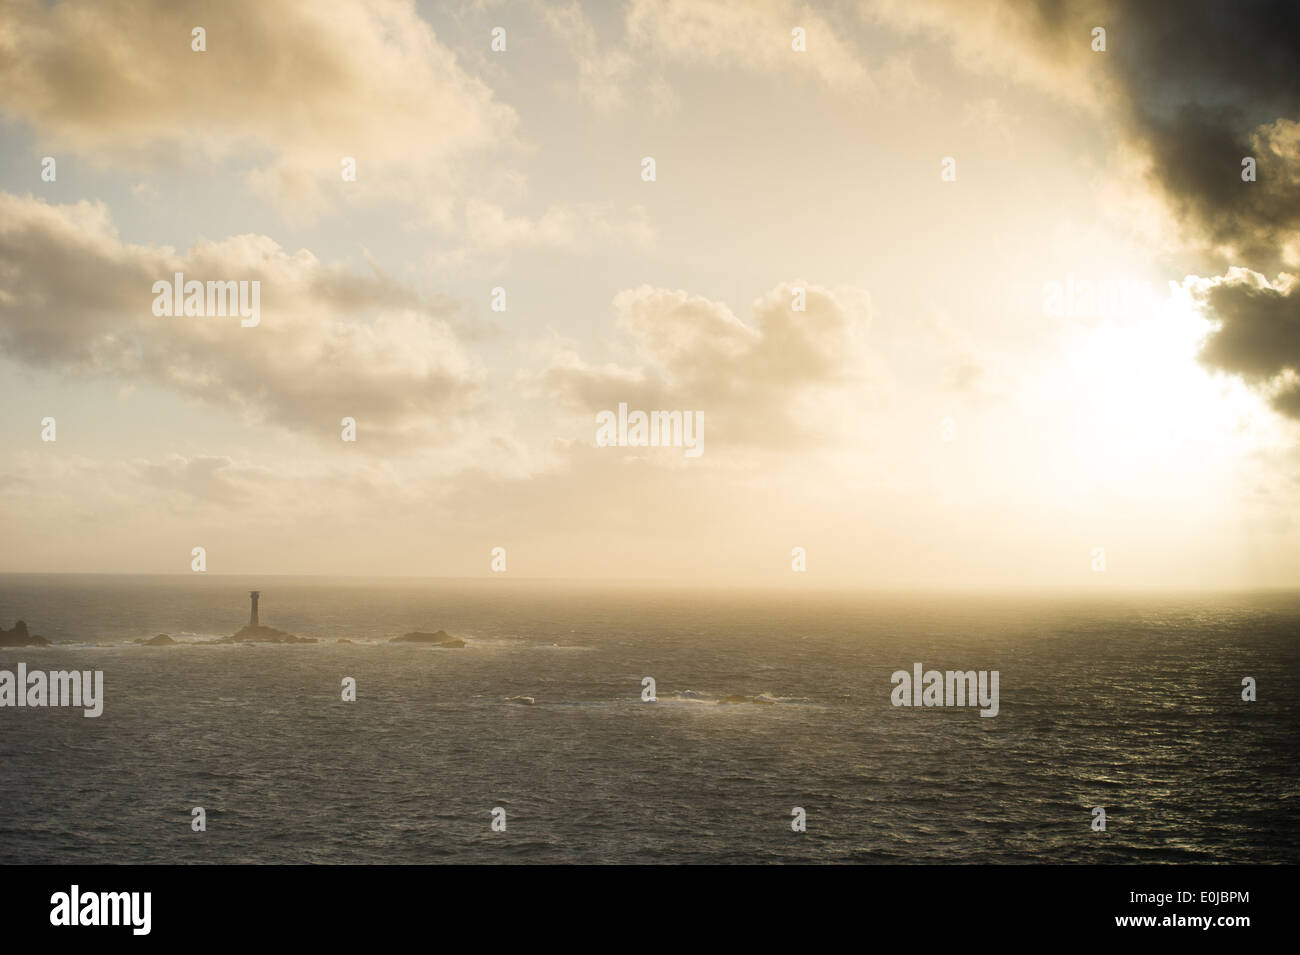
x: 440, y: 639
x: 260, y: 634
x: 19, y: 637
x: 162, y: 640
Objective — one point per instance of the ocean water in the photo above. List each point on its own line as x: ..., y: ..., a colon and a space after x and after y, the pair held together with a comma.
x: 1131, y: 703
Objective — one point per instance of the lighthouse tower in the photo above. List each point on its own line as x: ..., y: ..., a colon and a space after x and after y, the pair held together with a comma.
x: 252, y: 616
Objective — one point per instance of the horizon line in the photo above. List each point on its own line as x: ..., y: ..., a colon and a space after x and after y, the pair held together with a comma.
x: 1094, y: 589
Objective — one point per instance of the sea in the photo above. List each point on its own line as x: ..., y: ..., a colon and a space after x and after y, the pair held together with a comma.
x: 540, y: 741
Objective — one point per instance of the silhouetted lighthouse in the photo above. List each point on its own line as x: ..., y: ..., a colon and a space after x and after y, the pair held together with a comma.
x: 252, y: 615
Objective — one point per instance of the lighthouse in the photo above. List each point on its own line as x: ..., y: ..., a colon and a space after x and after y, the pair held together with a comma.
x: 252, y: 614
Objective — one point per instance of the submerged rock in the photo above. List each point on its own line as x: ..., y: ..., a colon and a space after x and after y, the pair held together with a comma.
x: 737, y: 698
x: 162, y: 640
x: 440, y: 639
x: 19, y: 637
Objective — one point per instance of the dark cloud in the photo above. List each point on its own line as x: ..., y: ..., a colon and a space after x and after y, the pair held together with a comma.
x: 1207, y: 83
x: 1258, y: 336
x: 1196, y: 86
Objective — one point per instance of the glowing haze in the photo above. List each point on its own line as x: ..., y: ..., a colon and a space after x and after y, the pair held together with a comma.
x: 1078, y: 334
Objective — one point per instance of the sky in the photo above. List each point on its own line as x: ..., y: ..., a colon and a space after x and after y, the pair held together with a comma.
x: 868, y: 259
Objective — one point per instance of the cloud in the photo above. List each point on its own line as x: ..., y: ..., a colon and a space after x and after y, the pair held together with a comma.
x: 602, y: 72
x: 754, y: 36
x: 759, y: 386
x: 289, y: 88
x: 1205, y: 88
x: 1258, y: 331
x: 331, y: 343
x: 1194, y: 91
x: 204, y: 478
x: 1043, y: 44
x: 660, y: 36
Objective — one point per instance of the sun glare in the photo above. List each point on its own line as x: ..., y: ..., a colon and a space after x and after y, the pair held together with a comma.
x: 1147, y: 408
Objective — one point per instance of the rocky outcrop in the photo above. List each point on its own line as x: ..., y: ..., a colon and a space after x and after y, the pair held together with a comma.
x: 254, y: 632
x: 19, y: 637
x: 440, y: 639
x: 162, y: 640
x: 260, y: 634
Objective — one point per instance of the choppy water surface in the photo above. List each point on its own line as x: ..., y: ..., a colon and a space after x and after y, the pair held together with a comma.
x: 1130, y: 703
